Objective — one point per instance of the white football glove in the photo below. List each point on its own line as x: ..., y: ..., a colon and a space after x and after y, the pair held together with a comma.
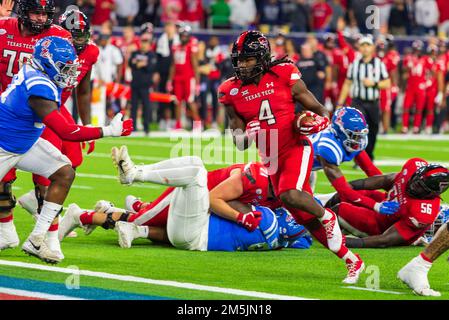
x: 118, y: 127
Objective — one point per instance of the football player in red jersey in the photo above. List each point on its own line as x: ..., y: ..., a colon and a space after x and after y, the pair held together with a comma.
x: 435, y: 86
x: 77, y: 24
x: 183, y: 78
x: 260, y: 103
x: 417, y: 66
x: 17, y: 40
x: 417, y: 188
x: 391, y: 58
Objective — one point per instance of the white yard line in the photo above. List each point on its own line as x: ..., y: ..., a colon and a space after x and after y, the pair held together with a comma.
x: 372, y: 290
x: 166, y: 283
x: 33, y: 294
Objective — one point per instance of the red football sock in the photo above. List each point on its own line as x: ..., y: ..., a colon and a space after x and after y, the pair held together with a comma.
x: 425, y: 257
x: 7, y: 219
x: 53, y: 227
x: 86, y: 217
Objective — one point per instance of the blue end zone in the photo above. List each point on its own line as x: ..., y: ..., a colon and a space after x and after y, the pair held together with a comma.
x: 89, y: 293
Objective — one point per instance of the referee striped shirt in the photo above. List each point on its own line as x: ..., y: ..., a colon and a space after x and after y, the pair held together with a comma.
x: 374, y: 70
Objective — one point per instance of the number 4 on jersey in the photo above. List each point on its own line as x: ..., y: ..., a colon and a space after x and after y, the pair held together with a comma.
x: 265, y: 112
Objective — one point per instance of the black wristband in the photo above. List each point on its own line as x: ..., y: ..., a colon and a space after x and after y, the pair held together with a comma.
x: 355, y: 242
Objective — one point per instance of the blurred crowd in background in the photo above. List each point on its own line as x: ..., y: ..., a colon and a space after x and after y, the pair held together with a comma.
x: 398, y: 17
x: 142, y: 59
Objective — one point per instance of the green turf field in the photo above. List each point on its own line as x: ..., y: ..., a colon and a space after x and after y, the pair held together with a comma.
x: 314, y: 273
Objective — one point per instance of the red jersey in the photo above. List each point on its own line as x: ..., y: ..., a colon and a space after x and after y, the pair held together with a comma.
x: 320, y: 13
x: 102, y: 12
x: 182, y: 58
x: 417, y: 68
x: 415, y: 215
x: 270, y: 102
x: 87, y: 58
x: 438, y: 66
x: 15, y: 48
x: 192, y: 10
x: 391, y: 60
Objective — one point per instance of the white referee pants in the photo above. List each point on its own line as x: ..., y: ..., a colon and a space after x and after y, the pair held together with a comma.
x: 188, y: 215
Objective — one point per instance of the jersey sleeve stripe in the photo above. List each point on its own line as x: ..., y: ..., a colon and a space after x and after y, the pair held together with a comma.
x: 55, y: 91
x: 333, y: 150
x: 41, y: 80
x: 334, y: 144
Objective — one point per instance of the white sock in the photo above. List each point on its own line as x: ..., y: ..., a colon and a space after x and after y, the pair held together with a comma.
x: 326, y: 216
x: 177, y: 172
x: 142, y: 231
x: 420, y: 260
x: 48, y: 213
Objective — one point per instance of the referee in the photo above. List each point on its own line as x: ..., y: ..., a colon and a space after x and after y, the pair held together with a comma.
x: 366, y: 75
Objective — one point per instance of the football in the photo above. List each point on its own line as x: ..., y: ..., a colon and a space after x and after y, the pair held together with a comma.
x: 300, y: 119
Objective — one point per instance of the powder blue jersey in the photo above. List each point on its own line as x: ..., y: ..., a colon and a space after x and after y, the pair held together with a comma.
x: 330, y: 148
x: 225, y: 235
x: 20, y: 126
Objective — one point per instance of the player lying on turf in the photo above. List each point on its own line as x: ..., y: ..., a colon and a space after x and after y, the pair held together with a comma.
x: 417, y: 188
x: 414, y: 274
x: 275, y: 230
x: 30, y: 103
x: 188, y: 223
x: 345, y: 141
x: 246, y: 183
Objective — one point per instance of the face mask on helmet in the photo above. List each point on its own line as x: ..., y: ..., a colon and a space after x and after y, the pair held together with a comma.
x: 56, y: 57
x: 289, y: 230
x: 27, y: 7
x: 428, y: 182
x: 77, y: 24
x: 251, y: 44
x: 350, y: 126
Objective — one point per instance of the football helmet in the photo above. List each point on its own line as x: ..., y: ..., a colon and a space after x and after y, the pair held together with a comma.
x: 289, y: 230
x: 25, y: 7
x: 443, y: 217
x: 78, y: 25
x: 351, y: 128
x: 251, y: 44
x: 56, y: 57
x: 428, y: 182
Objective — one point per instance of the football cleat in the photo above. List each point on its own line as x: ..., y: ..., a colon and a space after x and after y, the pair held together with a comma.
x: 28, y: 202
x: 36, y: 246
x: 333, y: 232
x: 125, y: 166
x: 69, y: 221
x: 414, y: 275
x: 8, y: 236
x: 54, y: 245
x: 127, y: 232
x: 355, y: 269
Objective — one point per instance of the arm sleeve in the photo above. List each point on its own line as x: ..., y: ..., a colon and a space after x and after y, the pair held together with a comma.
x: 350, y: 195
x: 365, y: 163
x: 68, y: 131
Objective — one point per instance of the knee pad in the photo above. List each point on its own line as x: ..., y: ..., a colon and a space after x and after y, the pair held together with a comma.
x: 7, y: 199
x: 110, y: 222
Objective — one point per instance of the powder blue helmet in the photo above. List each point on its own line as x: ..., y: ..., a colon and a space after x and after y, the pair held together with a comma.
x: 351, y: 128
x: 56, y: 57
